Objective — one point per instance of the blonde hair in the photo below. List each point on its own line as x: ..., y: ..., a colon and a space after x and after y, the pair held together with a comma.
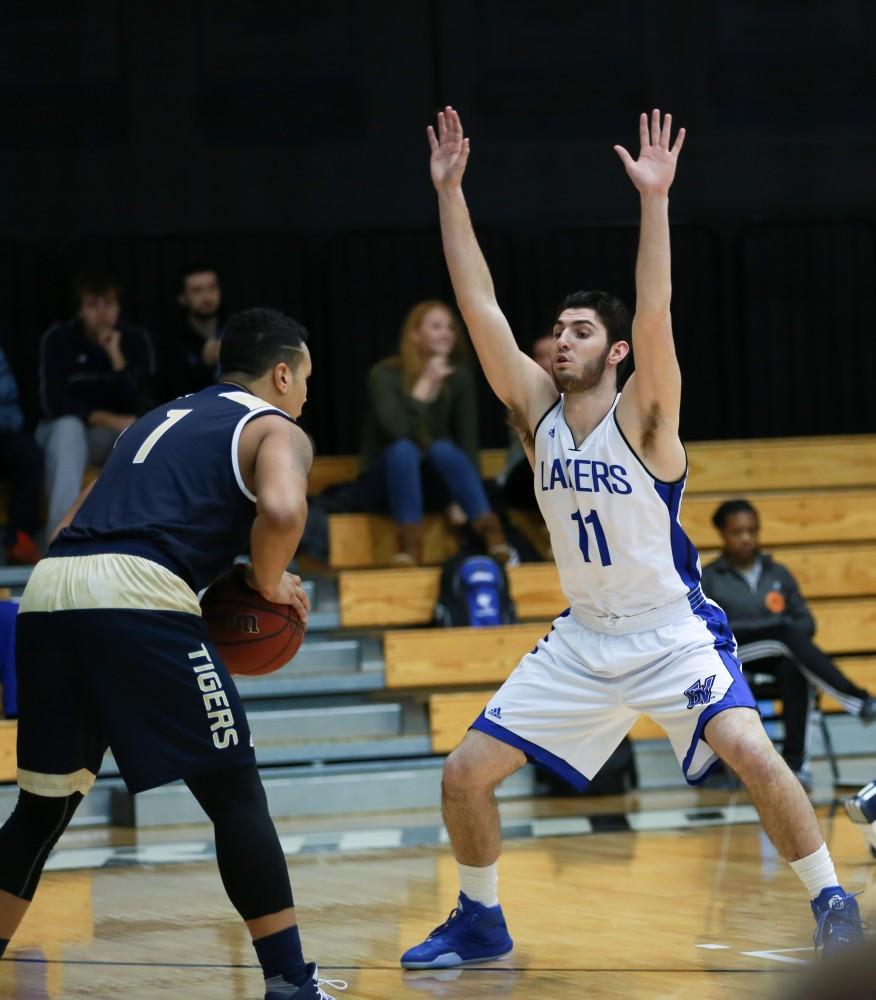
x: 410, y: 358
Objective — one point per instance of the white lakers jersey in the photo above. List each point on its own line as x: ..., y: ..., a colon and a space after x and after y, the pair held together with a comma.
x: 617, y: 541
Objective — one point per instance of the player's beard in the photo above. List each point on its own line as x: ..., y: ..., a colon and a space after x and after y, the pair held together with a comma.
x: 589, y: 378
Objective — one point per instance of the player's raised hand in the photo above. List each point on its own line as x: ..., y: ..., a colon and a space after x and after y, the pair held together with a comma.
x: 654, y: 170
x: 450, y: 150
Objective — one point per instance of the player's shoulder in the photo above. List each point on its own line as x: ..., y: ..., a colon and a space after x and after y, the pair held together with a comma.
x: 272, y: 421
x: 275, y: 429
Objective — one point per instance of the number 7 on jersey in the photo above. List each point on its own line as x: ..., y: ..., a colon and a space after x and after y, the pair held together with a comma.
x: 173, y: 417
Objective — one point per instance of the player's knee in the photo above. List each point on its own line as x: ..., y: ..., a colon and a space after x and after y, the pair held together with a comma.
x: 235, y: 791
x: 28, y: 836
x: 752, y: 756
x: 42, y: 813
x: 464, y: 775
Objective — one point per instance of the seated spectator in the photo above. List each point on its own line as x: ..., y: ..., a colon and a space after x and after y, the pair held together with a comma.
x: 22, y: 463
x: 96, y: 378
x: 516, y: 479
x: 188, y: 356
x: 421, y: 427
x: 762, y: 601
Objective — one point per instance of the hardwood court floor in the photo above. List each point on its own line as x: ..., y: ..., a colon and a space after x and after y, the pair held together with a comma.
x: 609, y: 916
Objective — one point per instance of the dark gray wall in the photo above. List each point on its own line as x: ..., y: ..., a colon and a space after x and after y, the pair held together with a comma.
x: 286, y: 140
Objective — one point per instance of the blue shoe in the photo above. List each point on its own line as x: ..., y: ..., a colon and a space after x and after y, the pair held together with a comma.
x: 311, y: 990
x: 472, y: 933
x: 837, y: 920
x: 861, y: 807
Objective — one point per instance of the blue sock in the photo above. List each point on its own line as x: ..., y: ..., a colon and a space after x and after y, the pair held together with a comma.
x: 3, y: 944
x: 280, y: 955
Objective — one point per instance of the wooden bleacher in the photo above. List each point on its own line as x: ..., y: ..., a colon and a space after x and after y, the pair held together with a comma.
x: 817, y: 501
x: 394, y: 597
x: 772, y: 464
x: 448, y: 657
x: 809, y: 490
x: 451, y: 713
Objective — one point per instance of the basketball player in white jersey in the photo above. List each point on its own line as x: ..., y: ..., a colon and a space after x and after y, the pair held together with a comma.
x: 640, y: 637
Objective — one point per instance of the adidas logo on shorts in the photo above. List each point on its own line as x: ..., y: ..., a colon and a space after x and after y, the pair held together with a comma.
x: 496, y: 713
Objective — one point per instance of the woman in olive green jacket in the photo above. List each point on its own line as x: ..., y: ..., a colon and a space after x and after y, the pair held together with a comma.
x: 422, y: 413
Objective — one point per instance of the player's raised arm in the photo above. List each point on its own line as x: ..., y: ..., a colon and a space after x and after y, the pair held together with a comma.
x: 282, y: 464
x: 515, y: 378
x: 651, y: 400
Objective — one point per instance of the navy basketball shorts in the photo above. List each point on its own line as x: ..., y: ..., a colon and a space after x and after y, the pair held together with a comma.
x: 149, y: 685
x: 570, y: 702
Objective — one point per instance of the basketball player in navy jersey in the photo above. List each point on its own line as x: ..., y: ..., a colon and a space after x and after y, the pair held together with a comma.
x: 639, y: 637
x: 112, y: 651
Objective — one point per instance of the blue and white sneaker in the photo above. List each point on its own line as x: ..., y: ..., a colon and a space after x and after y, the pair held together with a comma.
x: 861, y: 808
x: 837, y: 920
x: 311, y: 990
x: 472, y: 933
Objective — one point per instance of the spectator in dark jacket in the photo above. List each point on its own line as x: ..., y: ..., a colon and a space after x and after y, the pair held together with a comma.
x: 22, y: 463
x: 188, y: 356
x: 763, y: 602
x: 422, y: 417
x: 96, y: 377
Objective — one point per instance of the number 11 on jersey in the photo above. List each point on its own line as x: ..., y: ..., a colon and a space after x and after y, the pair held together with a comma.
x: 584, y: 539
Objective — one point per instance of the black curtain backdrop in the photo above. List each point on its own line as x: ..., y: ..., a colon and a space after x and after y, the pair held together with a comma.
x: 284, y: 141
x: 774, y: 322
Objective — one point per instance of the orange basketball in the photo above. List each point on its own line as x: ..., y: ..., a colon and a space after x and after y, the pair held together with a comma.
x: 252, y: 635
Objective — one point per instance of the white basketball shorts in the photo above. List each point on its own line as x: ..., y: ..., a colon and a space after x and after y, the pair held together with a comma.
x: 571, y: 701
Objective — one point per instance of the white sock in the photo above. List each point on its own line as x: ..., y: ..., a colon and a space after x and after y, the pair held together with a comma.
x: 481, y: 885
x: 816, y: 871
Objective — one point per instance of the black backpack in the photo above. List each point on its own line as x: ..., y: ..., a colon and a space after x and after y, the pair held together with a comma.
x: 474, y: 591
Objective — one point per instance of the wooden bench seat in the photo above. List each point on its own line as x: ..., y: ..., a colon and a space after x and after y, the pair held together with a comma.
x: 451, y: 713
x: 787, y: 518
x: 8, y: 735
x: 450, y: 657
x: 715, y: 466
x: 395, y: 597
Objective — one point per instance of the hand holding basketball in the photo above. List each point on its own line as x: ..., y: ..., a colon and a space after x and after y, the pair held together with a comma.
x: 288, y: 591
x: 255, y: 635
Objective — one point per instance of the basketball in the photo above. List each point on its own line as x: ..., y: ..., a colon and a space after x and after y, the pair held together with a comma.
x: 253, y: 636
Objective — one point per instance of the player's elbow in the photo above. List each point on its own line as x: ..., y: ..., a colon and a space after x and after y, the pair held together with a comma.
x: 282, y: 514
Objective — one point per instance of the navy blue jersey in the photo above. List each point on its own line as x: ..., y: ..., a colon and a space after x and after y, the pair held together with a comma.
x: 171, y: 491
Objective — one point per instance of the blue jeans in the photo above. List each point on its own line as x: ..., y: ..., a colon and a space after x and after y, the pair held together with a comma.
x: 395, y: 481
x: 8, y: 613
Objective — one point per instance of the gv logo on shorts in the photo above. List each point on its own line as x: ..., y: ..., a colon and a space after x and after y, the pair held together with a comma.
x: 700, y: 693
